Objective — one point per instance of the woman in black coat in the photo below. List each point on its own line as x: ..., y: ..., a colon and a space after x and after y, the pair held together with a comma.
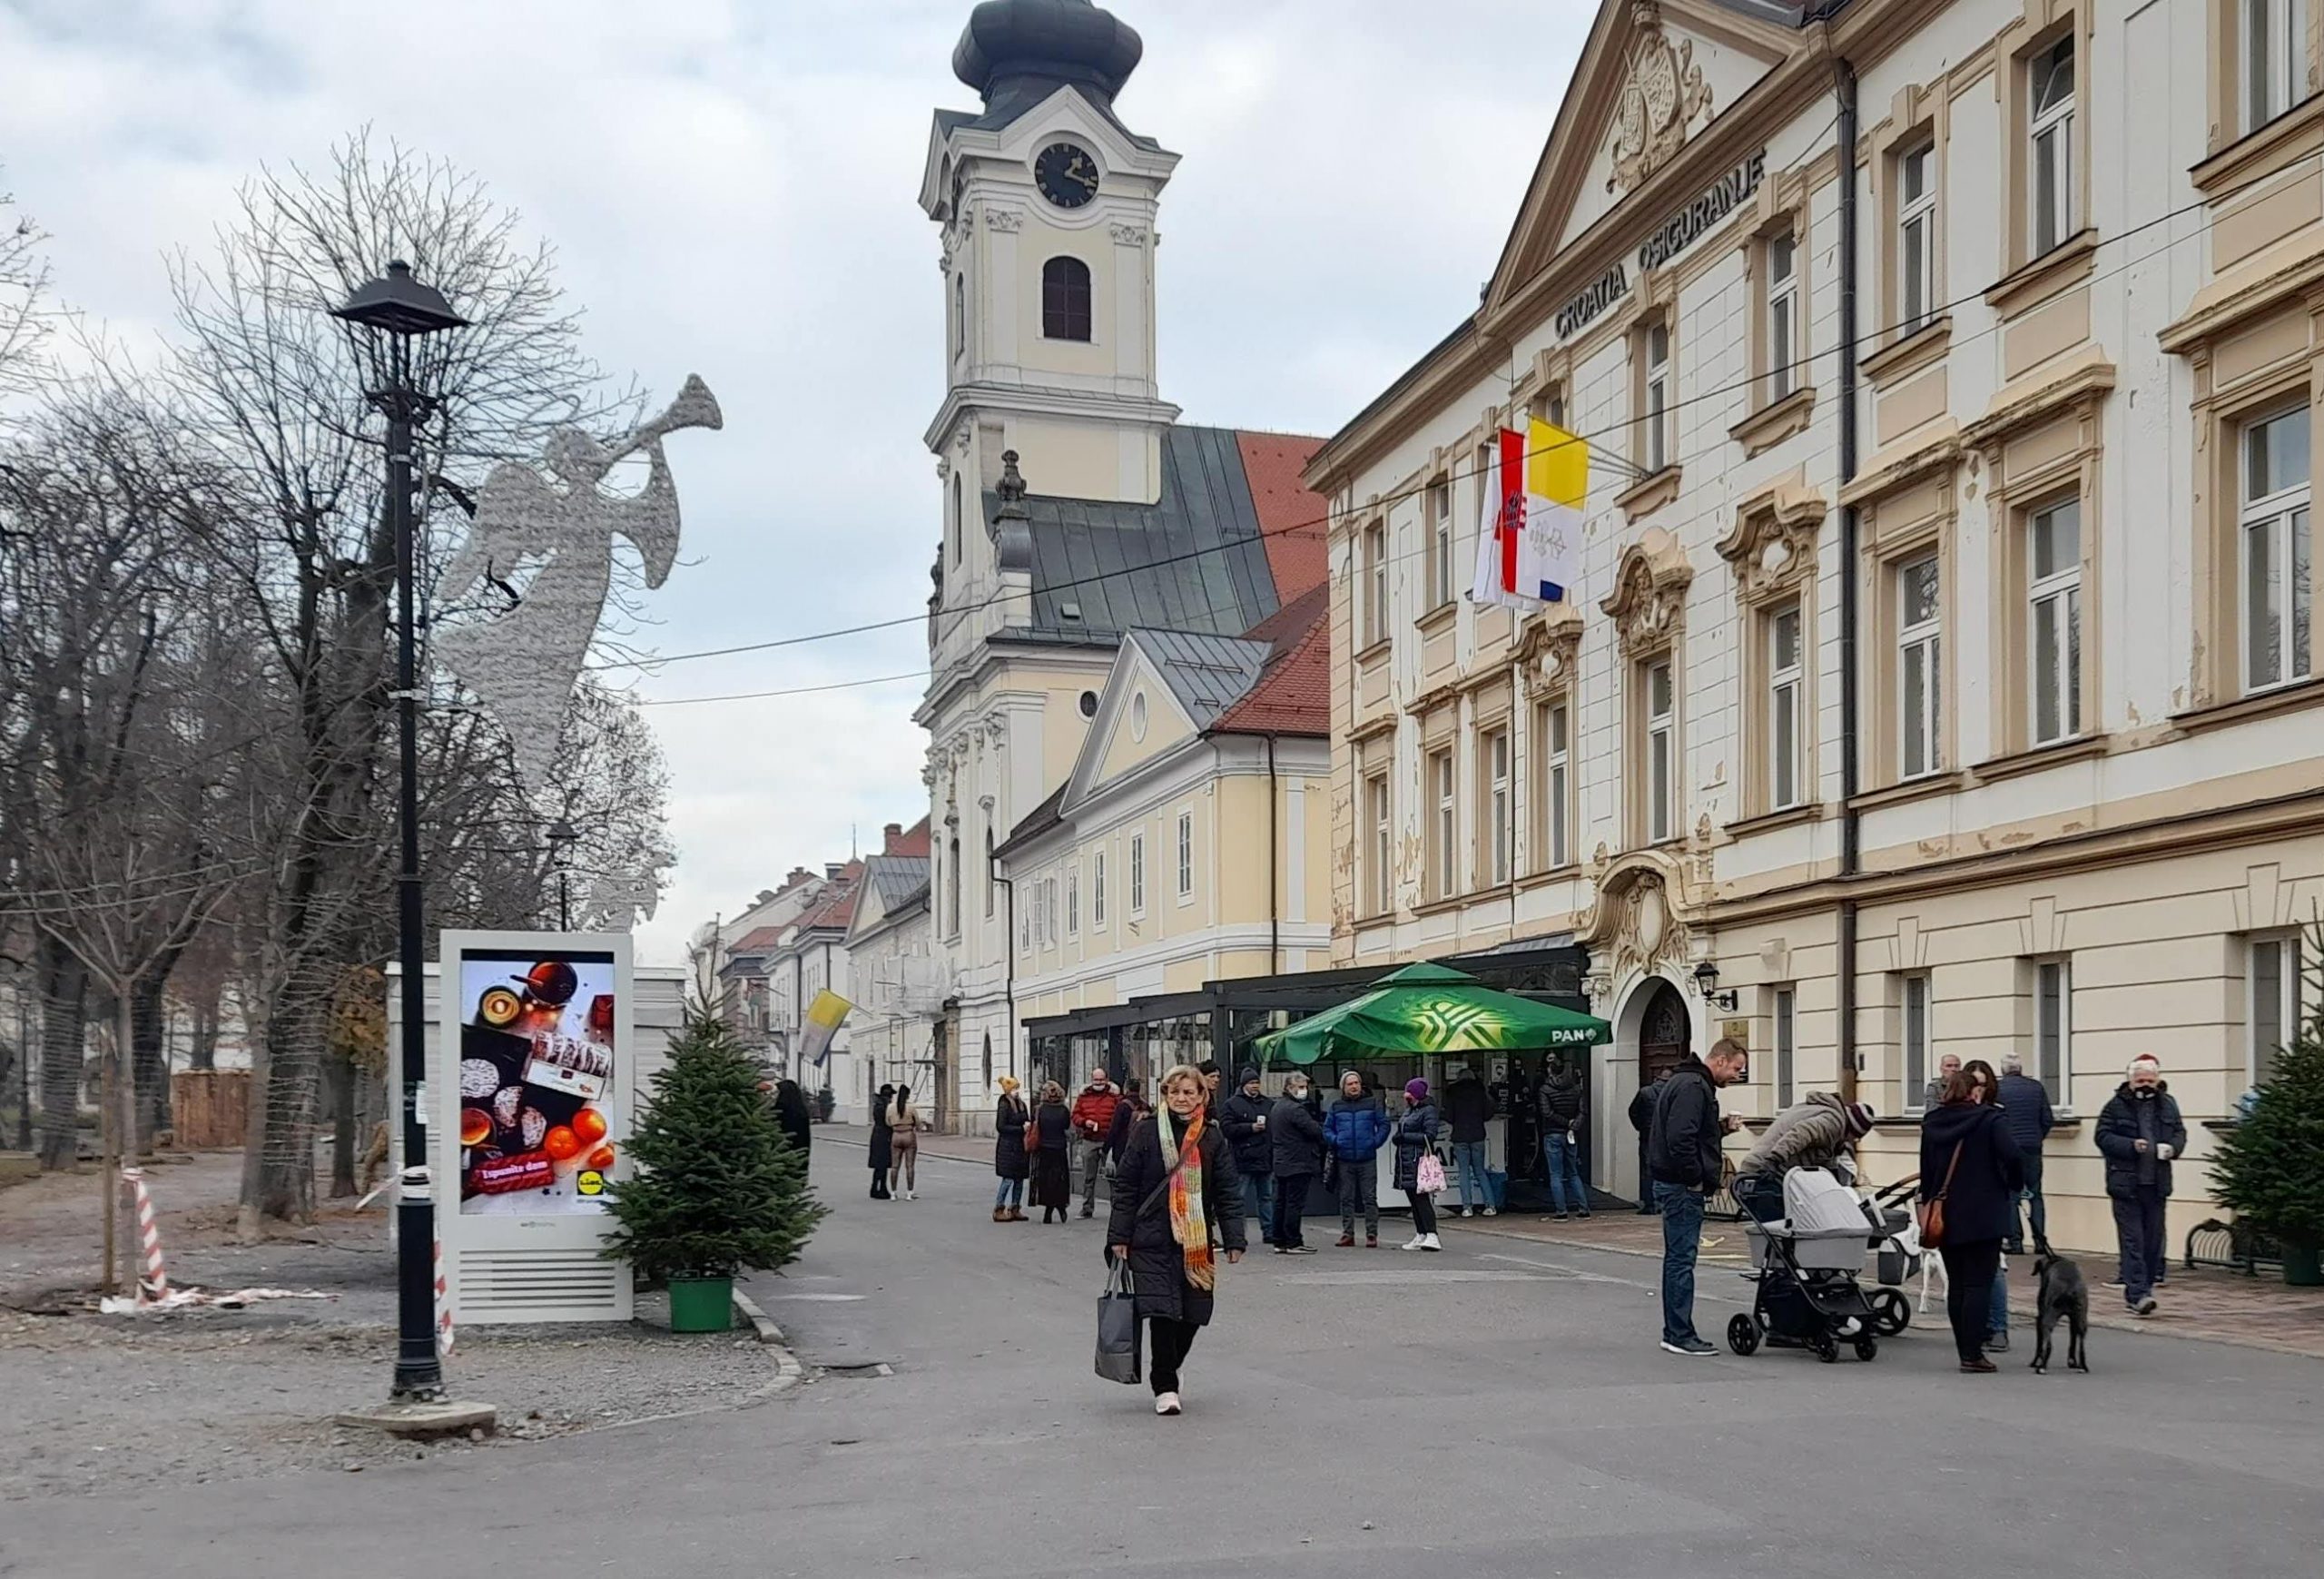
x: 1415, y: 1134
x: 1010, y: 1121
x: 882, y: 1153
x: 791, y: 1112
x: 1171, y: 1250
x: 1968, y: 1158
x: 1052, y: 1176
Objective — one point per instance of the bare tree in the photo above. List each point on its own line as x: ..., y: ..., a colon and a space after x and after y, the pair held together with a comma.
x: 25, y: 315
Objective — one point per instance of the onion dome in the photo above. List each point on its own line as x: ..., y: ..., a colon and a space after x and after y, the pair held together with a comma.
x: 1010, y: 47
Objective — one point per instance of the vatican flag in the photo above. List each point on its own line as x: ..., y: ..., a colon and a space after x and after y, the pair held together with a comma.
x: 825, y: 1015
x: 1557, y: 487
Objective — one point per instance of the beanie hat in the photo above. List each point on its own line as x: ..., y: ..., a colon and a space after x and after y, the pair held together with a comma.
x: 1245, y: 1075
x: 1415, y: 1089
x: 1860, y: 1116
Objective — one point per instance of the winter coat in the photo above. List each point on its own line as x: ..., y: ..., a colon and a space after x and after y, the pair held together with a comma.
x: 1643, y: 1111
x: 1980, y: 1204
x: 1682, y: 1145
x: 1415, y: 1139
x: 2128, y: 1117
x: 882, y: 1152
x: 1559, y: 1102
x: 1356, y: 1128
x: 1093, y: 1110
x: 2025, y: 1107
x: 1157, y: 1266
x: 1052, y: 1125
x: 1009, y: 1122
x: 1297, y: 1140
x: 1467, y: 1106
x: 1126, y: 1114
x: 1809, y: 1134
x: 1254, y: 1151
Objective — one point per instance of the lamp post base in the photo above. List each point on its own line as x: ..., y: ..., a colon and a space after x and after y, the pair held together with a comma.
x: 423, y: 1421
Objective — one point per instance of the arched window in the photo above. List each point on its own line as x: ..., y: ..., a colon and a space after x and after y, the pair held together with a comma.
x: 1065, y: 298
x: 960, y: 316
x: 959, y: 515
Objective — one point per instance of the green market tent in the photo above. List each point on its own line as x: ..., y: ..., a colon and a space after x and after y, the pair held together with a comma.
x: 1432, y: 1008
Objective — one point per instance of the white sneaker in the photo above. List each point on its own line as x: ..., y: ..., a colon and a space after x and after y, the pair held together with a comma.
x: 1490, y: 1212
x: 1413, y: 1243
x: 1166, y: 1403
x: 1430, y: 1242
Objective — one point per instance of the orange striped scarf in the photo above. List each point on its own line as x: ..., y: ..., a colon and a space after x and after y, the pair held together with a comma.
x: 1188, y: 1224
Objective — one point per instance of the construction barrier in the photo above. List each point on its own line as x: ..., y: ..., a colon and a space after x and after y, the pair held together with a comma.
x: 153, y: 1277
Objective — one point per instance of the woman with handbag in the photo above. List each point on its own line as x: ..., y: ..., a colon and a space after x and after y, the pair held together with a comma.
x: 1010, y: 1121
x: 1178, y: 1202
x: 1970, y: 1175
x: 1418, y: 1172
x: 1046, y: 1142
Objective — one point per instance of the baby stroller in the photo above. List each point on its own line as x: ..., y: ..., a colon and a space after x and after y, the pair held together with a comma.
x: 1901, y: 1258
x: 1808, y: 1262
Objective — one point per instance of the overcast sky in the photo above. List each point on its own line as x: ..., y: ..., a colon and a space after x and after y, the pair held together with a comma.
x: 731, y: 189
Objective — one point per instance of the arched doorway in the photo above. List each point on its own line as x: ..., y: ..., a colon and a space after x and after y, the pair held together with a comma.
x: 1664, y: 1033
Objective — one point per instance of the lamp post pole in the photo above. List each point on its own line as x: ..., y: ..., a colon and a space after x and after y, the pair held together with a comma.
x: 562, y: 838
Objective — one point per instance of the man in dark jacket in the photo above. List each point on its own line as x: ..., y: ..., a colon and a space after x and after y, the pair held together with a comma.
x: 1244, y: 1116
x: 1642, y: 1120
x: 2025, y: 1109
x: 1296, y: 1139
x: 1467, y: 1105
x: 1559, y: 1105
x: 1682, y: 1152
x: 1357, y: 1127
x: 2140, y: 1131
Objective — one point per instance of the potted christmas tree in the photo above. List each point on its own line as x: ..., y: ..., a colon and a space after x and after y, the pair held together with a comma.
x: 2271, y: 1165
x: 718, y: 1188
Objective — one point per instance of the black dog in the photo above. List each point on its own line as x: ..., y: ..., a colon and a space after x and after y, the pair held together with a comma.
x: 2062, y: 1295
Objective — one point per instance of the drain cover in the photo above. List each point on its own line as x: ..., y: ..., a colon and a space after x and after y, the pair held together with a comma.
x: 868, y: 1368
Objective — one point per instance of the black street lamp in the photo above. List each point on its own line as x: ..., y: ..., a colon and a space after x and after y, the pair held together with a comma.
x: 561, y: 840
x: 1706, y: 981
x: 397, y: 309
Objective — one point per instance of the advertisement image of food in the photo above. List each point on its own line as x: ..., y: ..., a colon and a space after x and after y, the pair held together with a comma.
x: 537, y: 1068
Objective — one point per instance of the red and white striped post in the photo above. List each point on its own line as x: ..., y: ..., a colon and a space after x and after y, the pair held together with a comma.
x: 443, y: 1305
x: 154, y: 1281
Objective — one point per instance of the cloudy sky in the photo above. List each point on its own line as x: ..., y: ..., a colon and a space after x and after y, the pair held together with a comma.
x: 731, y: 191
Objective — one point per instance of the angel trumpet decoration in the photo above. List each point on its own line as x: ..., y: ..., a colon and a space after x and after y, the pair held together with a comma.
x: 523, y: 662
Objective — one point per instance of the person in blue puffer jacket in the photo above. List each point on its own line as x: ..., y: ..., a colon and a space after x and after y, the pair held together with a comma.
x: 1355, y: 1129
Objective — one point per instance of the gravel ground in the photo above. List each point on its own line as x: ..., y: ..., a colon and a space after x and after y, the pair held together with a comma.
x: 118, y: 1404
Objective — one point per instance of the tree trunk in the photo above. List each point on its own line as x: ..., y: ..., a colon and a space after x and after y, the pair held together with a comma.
x: 284, y: 1112
x: 205, y: 1051
x: 342, y: 1128
x: 64, y: 985
x: 150, y: 1059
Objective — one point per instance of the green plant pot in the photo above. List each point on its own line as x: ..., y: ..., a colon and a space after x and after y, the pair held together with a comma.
x: 702, y: 1304
x: 2304, y: 1266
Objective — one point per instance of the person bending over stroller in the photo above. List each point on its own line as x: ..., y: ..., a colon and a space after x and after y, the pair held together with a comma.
x: 1816, y: 1132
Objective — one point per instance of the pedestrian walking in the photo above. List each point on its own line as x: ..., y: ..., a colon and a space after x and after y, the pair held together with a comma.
x: 1683, y: 1152
x: 1814, y: 1132
x: 882, y: 1153
x: 904, y: 1124
x: 2140, y: 1130
x: 1244, y: 1118
x: 1642, y: 1120
x: 1177, y: 1206
x: 1127, y: 1113
x: 1416, y: 1140
x: 2026, y: 1107
x: 1010, y: 1120
x: 1298, y: 1138
x: 1357, y: 1127
x: 1467, y: 1107
x: 1051, y: 1133
x: 1093, y: 1121
x: 1969, y: 1162
x: 1558, y: 1104
x: 791, y: 1112
x: 1933, y: 1094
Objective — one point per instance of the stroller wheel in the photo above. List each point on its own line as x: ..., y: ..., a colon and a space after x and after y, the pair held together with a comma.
x: 1743, y: 1335
x: 1891, y: 1312
x: 1867, y: 1347
x: 1827, y: 1351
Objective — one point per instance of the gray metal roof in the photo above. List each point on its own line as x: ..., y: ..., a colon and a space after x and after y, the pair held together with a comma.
x: 897, y: 880
x: 1206, y: 674
x: 1191, y: 561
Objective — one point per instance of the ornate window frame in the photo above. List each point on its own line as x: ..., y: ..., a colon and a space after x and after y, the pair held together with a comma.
x: 1772, y: 550
x: 2028, y: 277
x: 1915, y: 513
x: 1919, y: 115
x: 1549, y: 658
x: 1648, y: 608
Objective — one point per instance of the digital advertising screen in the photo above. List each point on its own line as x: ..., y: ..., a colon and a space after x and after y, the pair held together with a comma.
x: 536, y: 1069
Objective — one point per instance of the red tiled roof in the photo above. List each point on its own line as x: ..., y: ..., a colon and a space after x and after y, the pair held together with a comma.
x: 912, y: 841
x: 1293, y: 520
x: 756, y: 940
x: 1293, y: 694
x: 837, y: 907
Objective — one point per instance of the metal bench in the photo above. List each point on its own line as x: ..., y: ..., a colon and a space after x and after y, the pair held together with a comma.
x: 2235, y: 1246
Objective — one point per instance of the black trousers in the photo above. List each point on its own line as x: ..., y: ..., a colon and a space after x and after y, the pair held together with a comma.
x: 1969, y: 1273
x: 1290, y: 1209
x: 1168, y: 1342
x: 879, y: 1184
x: 1424, y: 1212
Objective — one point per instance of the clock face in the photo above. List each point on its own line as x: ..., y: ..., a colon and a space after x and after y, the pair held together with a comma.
x: 1066, y: 176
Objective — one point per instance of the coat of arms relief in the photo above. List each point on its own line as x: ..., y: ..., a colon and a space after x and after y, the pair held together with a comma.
x: 1660, y: 98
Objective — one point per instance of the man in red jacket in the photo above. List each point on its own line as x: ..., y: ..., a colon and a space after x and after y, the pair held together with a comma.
x: 1093, y: 1121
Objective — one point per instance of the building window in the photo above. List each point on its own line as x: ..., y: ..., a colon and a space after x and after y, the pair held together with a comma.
x: 2050, y: 84
x: 1376, y: 582
x: 1916, y: 1040
x: 1049, y: 907
x: 1138, y: 874
x: 1065, y: 298
x: 1661, y: 749
x: 2053, y: 619
x: 1549, y: 406
x: 1492, y: 762
x: 1073, y: 903
x: 1654, y: 398
x: 1440, y: 863
x: 1379, y: 848
x: 960, y: 316
x: 1553, y: 747
x: 2273, y: 551
x: 1781, y: 252
x: 1784, y: 680
x: 2275, y: 46
x: 2274, y: 1014
x: 1919, y: 693
x: 1186, y: 853
x: 1916, y: 237
x: 1098, y: 889
x: 2052, y: 1061
x: 991, y: 874
x: 960, y: 515
x: 1440, y: 543
x: 1786, y: 1079
x: 953, y: 887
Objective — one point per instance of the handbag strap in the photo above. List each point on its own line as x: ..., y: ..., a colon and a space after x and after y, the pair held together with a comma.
x: 1948, y: 1185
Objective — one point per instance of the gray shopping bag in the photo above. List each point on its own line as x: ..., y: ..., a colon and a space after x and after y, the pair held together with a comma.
x: 1117, y: 1334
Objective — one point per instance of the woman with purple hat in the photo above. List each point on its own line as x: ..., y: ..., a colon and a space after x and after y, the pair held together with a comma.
x: 1415, y: 1151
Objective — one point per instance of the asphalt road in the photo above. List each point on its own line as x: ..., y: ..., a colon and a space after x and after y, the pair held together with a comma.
x: 1502, y: 1409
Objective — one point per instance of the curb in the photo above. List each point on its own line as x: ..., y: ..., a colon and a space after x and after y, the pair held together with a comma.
x: 791, y: 1372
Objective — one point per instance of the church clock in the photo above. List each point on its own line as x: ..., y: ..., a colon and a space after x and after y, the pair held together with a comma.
x: 1066, y: 175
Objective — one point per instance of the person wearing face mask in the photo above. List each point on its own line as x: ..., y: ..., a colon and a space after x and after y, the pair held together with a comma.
x: 2140, y: 1131
x: 1297, y: 1140
x: 1244, y: 1118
